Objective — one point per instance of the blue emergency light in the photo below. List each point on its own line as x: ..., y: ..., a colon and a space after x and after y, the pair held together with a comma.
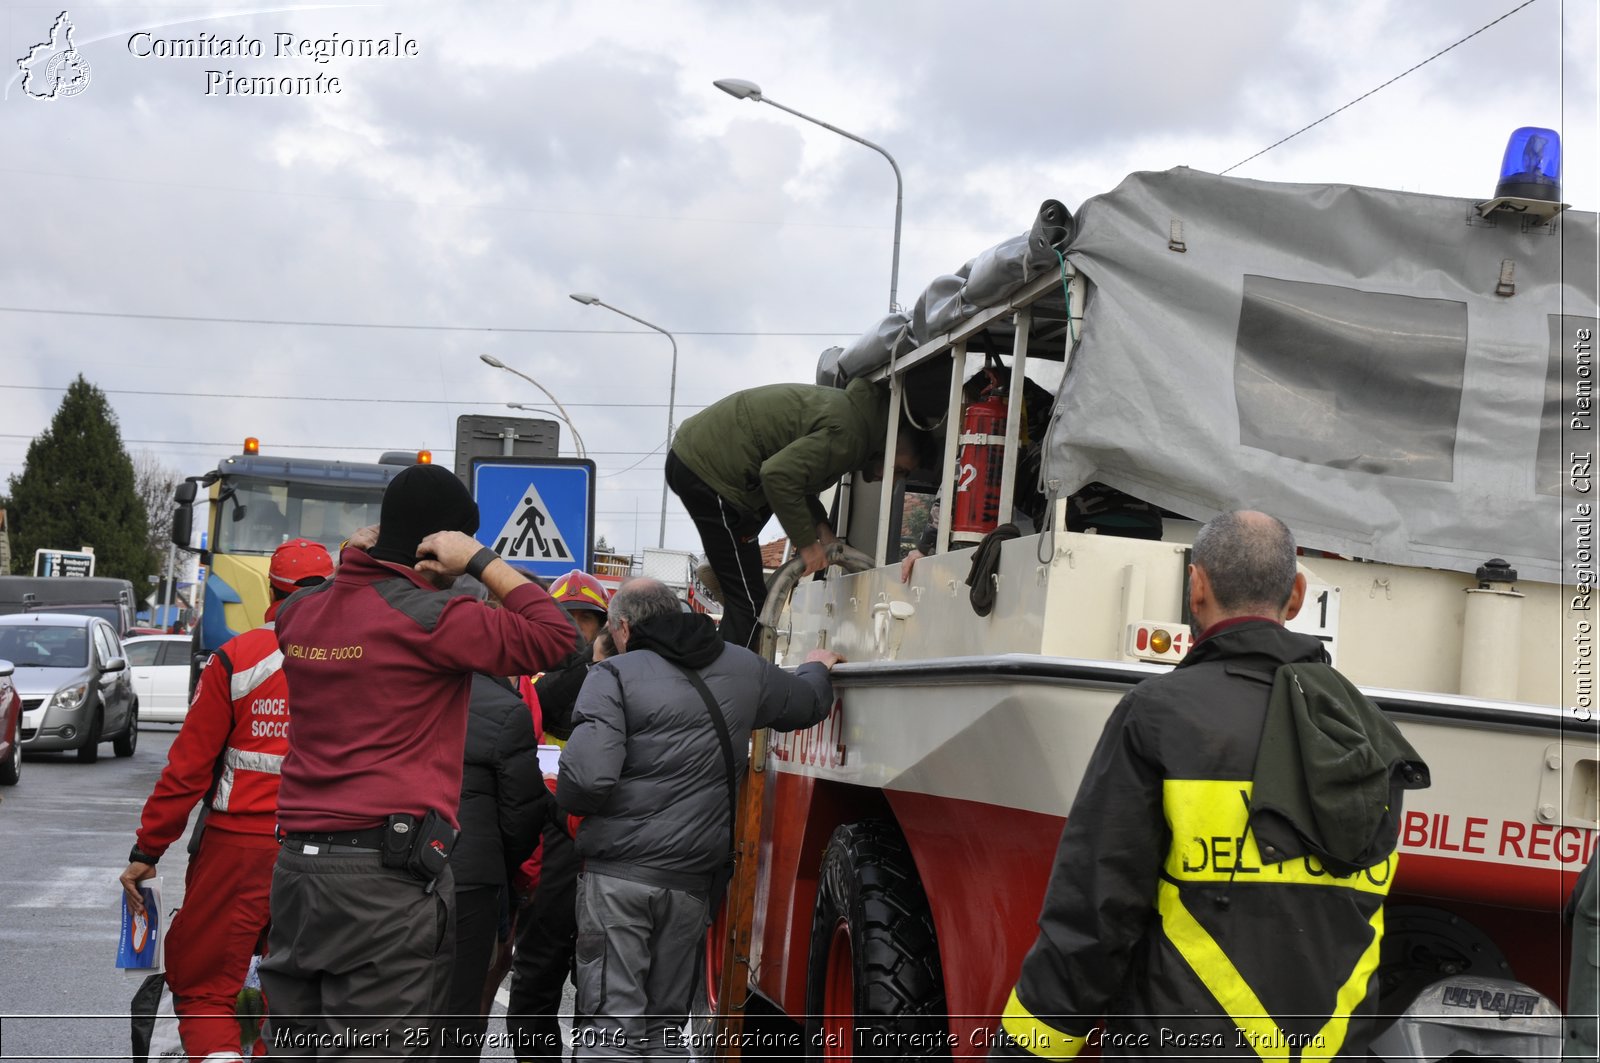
x: 1531, y: 168
x: 1530, y: 178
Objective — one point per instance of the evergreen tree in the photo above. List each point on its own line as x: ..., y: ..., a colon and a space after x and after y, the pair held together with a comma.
x: 77, y: 489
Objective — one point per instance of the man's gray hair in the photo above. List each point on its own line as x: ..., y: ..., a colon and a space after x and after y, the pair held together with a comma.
x: 642, y: 599
x: 1250, y: 562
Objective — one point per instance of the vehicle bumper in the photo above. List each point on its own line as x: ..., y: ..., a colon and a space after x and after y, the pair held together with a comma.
x: 46, y: 729
x: 149, y: 715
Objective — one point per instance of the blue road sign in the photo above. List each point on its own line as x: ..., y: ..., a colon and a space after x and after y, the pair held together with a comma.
x: 537, y: 513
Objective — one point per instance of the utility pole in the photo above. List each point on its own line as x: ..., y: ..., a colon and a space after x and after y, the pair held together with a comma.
x: 168, y: 592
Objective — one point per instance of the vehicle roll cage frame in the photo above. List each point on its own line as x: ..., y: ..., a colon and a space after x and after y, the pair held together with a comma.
x: 1025, y: 310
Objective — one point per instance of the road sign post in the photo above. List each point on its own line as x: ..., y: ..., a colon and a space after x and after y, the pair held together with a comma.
x: 491, y: 436
x: 537, y: 513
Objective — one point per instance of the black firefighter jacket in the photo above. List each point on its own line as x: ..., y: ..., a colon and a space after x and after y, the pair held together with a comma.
x: 1161, y: 915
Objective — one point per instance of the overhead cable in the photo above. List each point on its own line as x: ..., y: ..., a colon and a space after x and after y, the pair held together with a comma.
x: 1385, y: 85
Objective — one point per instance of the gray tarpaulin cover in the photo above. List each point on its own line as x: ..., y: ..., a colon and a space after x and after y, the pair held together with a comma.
x: 1337, y: 356
x: 951, y: 299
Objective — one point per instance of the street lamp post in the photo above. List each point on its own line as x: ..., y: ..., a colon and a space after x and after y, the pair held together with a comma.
x: 672, y: 390
x: 577, y: 440
x: 749, y: 90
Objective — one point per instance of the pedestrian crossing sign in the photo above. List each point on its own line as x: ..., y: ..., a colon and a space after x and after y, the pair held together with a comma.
x: 537, y: 513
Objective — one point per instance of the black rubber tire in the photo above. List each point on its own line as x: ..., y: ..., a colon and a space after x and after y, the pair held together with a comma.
x: 11, y: 767
x: 868, y: 886
x: 125, y: 743
x: 89, y: 752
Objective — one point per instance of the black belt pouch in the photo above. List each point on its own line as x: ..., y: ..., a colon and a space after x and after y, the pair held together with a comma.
x: 435, y: 837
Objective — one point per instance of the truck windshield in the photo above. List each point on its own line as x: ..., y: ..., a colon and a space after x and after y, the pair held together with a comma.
x: 260, y: 516
x: 42, y: 646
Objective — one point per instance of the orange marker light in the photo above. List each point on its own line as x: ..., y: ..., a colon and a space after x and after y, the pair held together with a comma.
x: 424, y: 457
x: 1161, y: 640
x: 252, y: 445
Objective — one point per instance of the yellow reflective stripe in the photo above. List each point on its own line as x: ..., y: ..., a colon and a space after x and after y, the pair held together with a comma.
x: 1034, y: 1036
x: 1216, y: 972
x: 1350, y: 995
x: 1223, y: 980
x: 1210, y: 842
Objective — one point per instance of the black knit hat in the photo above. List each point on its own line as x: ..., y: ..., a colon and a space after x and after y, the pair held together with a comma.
x: 421, y: 500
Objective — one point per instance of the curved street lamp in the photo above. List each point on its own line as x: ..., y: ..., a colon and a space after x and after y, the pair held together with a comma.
x: 577, y: 440
x: 588, y: 299
x: 740, y: 89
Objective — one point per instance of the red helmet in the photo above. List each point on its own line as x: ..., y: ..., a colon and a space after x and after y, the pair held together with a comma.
x: 579, y: 590
x: 295, y: 562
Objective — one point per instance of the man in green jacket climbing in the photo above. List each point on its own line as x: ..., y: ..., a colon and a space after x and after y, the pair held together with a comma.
x: 770, y: 451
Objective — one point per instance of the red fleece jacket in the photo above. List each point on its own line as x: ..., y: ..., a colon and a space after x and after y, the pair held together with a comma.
x: 380, y: 667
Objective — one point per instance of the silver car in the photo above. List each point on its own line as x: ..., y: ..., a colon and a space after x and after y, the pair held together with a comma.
x: 74, y: 681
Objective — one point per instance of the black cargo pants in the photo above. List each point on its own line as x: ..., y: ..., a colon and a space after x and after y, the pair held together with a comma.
x: 730, y: 537
x: 547, y: 931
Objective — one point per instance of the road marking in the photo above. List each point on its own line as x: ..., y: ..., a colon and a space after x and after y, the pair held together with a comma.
x: 77, y: 887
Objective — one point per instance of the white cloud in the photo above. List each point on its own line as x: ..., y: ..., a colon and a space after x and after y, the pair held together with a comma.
x: 534, y: 149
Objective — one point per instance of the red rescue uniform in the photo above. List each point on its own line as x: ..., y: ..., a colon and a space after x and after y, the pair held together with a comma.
x: 232, y: 743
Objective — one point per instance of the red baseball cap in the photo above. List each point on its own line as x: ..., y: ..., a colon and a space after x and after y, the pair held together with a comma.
x: 298, y: 563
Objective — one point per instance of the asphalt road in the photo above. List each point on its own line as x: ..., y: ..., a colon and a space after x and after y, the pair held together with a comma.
x: 65, y: 831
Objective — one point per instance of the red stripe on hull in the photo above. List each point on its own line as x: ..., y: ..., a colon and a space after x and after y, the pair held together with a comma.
x: 985, y: 869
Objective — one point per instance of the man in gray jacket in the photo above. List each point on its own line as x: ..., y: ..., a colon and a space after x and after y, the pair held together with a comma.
x: 648, y: 771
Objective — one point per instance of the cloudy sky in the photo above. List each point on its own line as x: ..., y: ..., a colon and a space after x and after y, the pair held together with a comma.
x: 362, y: 248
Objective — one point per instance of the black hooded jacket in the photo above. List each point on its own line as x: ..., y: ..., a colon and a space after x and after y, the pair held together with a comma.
x: 504, y: 802
x: 1162, y: 916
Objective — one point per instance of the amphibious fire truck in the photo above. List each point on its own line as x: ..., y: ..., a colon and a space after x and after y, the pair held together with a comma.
x: 1405, y: 380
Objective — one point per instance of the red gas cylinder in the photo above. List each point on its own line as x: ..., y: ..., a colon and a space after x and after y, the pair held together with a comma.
x: 978, y: 469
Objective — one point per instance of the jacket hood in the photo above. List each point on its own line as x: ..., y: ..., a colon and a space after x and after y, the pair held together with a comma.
x: 871, y: 402
x: 1329, y: 771
x: 686, y: 639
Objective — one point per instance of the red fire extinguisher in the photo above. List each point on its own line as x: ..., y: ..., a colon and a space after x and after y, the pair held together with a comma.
x: 978, y: 470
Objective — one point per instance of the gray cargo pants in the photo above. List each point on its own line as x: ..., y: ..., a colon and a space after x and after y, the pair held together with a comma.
x: 358, y: 959
x: 638, y: 950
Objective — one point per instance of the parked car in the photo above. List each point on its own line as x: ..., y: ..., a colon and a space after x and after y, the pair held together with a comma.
x: 10, y: 727
x: 160, y: 667
x: 74, y: 681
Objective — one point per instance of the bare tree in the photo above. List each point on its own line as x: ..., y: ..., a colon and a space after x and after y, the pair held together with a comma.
x: 154, y: 484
